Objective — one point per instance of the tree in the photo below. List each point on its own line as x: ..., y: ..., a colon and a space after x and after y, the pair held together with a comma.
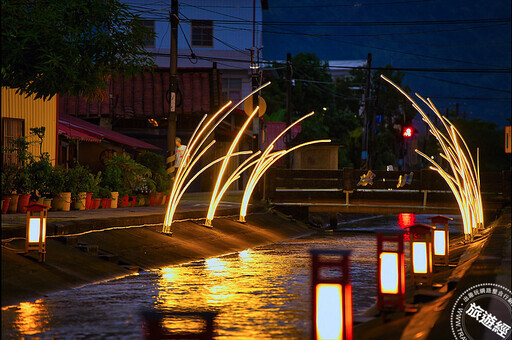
x: 69, y: 46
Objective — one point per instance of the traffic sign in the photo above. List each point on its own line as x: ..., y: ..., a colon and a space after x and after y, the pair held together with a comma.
x: 248, y: 108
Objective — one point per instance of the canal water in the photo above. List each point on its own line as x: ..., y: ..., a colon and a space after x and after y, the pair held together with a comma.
x: 259, y: 293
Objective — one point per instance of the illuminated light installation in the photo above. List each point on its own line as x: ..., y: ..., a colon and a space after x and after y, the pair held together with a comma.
x: 216, y: 195
x: 464, y: 180
x: 332, y: 295
x: 421, y: 254
x: 190, y: 158
x: 390, y: 271
x: 441, y: 239
x: 265, y: 161
x: 36, y: 229
x: 259, y: 170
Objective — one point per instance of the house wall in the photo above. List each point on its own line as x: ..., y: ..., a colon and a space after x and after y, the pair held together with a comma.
x: 232, y: 31
x: 35, y: 113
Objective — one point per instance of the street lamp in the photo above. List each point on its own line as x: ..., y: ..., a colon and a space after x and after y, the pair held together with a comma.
x: 390, y: 271
x: 441, y: 239
x: 36, y: 229
x: 332, y: 295
x: 421, y: 253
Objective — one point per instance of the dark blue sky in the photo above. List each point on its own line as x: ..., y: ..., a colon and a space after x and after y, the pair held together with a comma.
x: 451, y: 35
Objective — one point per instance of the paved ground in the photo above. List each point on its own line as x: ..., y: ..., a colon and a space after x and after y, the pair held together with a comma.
x: 193, y: 205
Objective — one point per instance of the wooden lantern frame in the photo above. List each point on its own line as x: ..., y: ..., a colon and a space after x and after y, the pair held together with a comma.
x: 338, y: 261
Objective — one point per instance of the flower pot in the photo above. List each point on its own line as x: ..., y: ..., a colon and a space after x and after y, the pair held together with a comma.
x: 62, y: 201
x: 48, y: 202
x: 5, y: 204
x: 40, y: 200
x: 80, y: 201
x: 23, y: 201
x: 115, y: 198
x: 141, y: 201
x: 95, y: 204
x: 13, y: 204
x: 88, y: 200
x: 105, y: 203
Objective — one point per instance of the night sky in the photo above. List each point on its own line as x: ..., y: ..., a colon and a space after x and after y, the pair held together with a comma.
x: 429, y: 35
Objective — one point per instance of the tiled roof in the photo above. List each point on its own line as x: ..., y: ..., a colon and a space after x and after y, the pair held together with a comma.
x: 145, y: 95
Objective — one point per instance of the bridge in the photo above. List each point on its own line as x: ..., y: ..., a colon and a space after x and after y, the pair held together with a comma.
x: 425, y: 192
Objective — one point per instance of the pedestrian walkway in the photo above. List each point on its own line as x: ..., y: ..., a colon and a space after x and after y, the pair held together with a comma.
x: 192, y: 206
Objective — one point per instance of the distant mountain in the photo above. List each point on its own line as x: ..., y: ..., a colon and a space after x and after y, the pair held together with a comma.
x: 452, y: 35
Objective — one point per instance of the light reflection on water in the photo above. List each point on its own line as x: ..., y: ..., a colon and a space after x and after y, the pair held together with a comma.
x: 259, y: 293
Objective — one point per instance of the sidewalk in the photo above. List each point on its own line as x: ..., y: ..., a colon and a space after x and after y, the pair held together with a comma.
x: 192, y: 206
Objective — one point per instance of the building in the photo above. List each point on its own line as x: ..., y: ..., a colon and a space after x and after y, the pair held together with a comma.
x: 210, y: 31
x: 20, y: 114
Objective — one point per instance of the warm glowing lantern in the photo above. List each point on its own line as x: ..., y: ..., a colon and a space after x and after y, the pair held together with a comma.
x: 421, y: 253
x: 390, y: 271
x: 36, y: 229
x: 441, y: 239
x: 331, y: 295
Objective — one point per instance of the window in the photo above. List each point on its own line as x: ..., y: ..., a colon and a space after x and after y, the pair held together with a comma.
x: 11, y: 129
x: 202, y: 33
x: 149, y: 24
x: 231, y: 89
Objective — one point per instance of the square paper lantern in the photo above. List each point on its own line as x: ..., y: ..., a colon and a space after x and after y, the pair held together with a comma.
x: 421, y: 253
x: 36, y: 229
x: 441, y: 239
x: 331, y: 295
x: 390, y: 272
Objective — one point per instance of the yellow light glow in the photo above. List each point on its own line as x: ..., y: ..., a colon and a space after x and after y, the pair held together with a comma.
x: 465, y: 179
x: 419, y: 257
x: 34, y: 230
x: 388, y: 273
x: 439, y: 242
x: 329, y: 311
x: 216, y: 196
x: 264, y: 163
x: 198, y: 138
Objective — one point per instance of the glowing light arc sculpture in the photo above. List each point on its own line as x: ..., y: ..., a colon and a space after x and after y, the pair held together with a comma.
x: 190, y: 157
x: 464, y: 180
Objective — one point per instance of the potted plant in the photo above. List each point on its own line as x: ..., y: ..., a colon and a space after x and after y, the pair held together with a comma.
x: 78, y: 185
x: 112, y: 180
x: 135, y: 177
x: 92, y: 187
x: 156, y: 163
x: 61, y: 188
x: 40, y: 171
x: 9, y: 179
x: 105, y: 197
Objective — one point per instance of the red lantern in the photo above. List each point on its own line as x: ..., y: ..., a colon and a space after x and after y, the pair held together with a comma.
x: 390, y: 272
x: 331, y: 295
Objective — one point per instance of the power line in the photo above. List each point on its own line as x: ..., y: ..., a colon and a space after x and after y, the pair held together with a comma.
x: 446, y: 70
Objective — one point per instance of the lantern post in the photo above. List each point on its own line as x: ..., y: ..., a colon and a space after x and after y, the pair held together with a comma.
x: 36, y: 229
x: 441, y: 239
x: 421, y: 254
x: 390, y: 271
x: 331, y: 295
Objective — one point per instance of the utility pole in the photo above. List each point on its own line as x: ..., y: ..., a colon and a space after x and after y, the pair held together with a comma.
x: 256, y: 126
x: 288, y: 137
x: 373, y: 107
x: 173, y: 88
x: 364, y: 144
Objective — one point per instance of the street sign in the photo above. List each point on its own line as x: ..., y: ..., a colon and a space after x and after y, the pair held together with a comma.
x: 248, y: 108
